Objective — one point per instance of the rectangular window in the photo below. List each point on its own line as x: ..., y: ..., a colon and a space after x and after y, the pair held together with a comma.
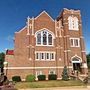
x: 42, y: 56
x: 52, y: 57
x: 71, y: 42
x: 74, y: 42
x: 47, y: 56
x: 52, y: 72
x: 38, y: 73
x: 37, y: 56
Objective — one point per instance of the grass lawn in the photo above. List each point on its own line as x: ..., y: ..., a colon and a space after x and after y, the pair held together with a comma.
x: 46, y: 84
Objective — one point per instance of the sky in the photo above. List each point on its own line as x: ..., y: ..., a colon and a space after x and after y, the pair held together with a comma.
x: 14, y: 13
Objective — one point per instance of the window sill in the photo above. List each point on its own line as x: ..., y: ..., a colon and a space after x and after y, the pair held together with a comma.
x: 75, y: 46
x: 45, y: 45
x: 74, y: 29
x: 44, y: 60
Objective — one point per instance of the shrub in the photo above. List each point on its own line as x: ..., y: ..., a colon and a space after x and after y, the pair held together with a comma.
x: 30, y: 78
x: 16, y: 78
x: 41, y: 77
x: 6, y: 81
x: 52, y: 77
x: 85, y: 80
x: 65, y: 75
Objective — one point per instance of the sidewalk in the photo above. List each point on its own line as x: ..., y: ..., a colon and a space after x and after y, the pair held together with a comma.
x: 61, y: 88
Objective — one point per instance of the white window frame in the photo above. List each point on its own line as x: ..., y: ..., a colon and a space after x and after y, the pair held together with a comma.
x: 73, y: 23
x: 53, y: 56
x: 38, y: 56
x: 74, y: 42
x: 54, y: 72
x: 48, y: 32
x: 48, y: 56
x: 39, y: 72
x: 76, y: 23
x: 45, y: 56
x: 41, y: 56
x: 37, y: 39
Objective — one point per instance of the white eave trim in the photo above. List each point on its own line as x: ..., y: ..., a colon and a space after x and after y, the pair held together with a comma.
x: 46, y: 13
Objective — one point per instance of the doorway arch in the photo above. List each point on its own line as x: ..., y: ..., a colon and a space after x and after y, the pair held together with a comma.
x: 76, y: 63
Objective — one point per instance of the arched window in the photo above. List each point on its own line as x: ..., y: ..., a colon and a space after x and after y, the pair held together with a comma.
x: 50, y: 39
x: 44, y: 37
x: 39, y: 38
x: 70, y: 22
x: 73, y: 23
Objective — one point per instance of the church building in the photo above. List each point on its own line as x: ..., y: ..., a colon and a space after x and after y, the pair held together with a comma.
x: 45, y: 46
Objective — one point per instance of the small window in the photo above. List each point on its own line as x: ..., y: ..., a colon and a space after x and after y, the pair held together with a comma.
x: 71, y: 42
x: 52, y: 56
x: 74, y: 42
x: 52, y: 72
x: 47, y: 56
x: 37, y: 56
x: 50, y: 39
x: 42, y: 55
x: 39, y: 38
x: 44, y: 39
x: 38, y: 73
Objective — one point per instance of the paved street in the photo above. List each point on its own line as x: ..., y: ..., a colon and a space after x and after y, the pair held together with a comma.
x: 61, y: 88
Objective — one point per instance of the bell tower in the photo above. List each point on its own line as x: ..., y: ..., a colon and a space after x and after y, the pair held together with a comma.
x: 73, y: 38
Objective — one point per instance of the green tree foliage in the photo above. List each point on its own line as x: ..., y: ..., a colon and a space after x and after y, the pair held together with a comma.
x: 88, y: 60
x: 2, y: 58
x: 65, y: 75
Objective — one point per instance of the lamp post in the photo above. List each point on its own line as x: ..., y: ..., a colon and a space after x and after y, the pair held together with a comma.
x: 6, y: 67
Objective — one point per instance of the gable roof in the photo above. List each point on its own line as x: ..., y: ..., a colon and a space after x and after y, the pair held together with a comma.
x: 44, y: 12
x: 21, y: 29
x: 10, y: 52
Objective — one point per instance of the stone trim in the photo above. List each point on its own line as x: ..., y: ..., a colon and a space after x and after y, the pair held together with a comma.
x: 11, y: 68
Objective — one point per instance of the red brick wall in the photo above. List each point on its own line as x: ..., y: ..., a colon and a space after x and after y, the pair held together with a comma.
x: 25, y: 45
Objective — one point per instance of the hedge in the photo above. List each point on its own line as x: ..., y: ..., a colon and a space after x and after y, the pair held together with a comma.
x: 16, y: 78
x: 30, y: 78
x: 52, y: 77
x: 41, y: 77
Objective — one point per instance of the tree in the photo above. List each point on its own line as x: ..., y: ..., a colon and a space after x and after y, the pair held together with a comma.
x: 88, y: 60
x: 2, y: 58
x: 65, y: 75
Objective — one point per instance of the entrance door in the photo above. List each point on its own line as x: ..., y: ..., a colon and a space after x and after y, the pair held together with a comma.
x: 76, y: 66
